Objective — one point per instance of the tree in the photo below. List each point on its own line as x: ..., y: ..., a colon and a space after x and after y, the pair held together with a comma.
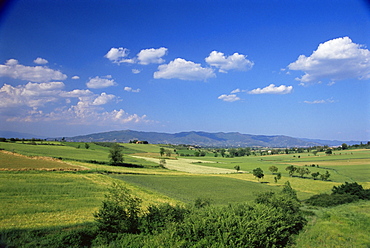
x: 344, y: 146
x: 314, y: 152
x: 291, y: 169
x: 168, y: 152
x: 278, y: 177
x: 315, y: 174
x: 258, y: 172
x: 161, y: 151
x: 329, y: 152
x: 325, y: 176
x: 302, y: 171
x: 115, y: 154
x: 237, y: 168
x: 87, y: 146
x: 233, y: 152
x: 273, y: 169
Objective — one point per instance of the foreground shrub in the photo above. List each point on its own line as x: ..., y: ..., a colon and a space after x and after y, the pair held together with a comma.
x: 345, y: 193
x: 119, y: 212
x: 160, y: 216
x: 326, y: 200
x: 270, y: 222
x: 352, y: 189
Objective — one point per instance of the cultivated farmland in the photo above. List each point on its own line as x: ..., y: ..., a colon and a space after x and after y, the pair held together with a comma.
x: 62, y: 184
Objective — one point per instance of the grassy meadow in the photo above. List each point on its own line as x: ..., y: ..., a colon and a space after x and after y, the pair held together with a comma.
x: 38, y: 192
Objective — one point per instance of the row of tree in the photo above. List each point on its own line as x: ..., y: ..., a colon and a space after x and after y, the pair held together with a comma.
x: 258, y: 172
x: 301, y: 171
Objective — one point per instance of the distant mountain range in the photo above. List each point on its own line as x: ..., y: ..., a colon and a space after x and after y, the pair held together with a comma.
x: 205, y: 139
x: 9, y: 134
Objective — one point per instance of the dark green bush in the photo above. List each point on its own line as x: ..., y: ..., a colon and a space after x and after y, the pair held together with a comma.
x: 119, y: 212
x: 326, y: 200
x: 160, y: 216
x: 352, y: 189
x: 345, y: 193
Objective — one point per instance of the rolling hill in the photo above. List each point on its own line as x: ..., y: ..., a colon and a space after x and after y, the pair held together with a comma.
x: 204, y: 139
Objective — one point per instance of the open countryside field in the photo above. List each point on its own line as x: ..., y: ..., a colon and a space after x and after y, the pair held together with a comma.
x: 12, y: 161
x: 221, y: 190
x: 39, y: 198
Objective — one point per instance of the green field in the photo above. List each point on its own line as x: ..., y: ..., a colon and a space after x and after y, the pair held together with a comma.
x: 40, y: 193
x: 342, y: 226
x: 221, y: 190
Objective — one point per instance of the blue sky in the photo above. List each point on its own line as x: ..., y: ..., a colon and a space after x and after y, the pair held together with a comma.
x: 296, y: 68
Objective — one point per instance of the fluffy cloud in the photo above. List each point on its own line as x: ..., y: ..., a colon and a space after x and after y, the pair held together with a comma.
x: 75, y: 77
x: 38, y: 74
x: 135, y: 71
x: 151, y: 56
x: 40, y: 61
x: 28, y: 103
x: 118, y: 55
x: 229, y: 98
x: 129, y: 89
x: 32, y: 94
x: 104, y: 98
x: 184, y: 70
x: 76, y: 93
x: 98, y: 82
x: 233, y: 62
x: 272, y: 89
x: 335, y: 59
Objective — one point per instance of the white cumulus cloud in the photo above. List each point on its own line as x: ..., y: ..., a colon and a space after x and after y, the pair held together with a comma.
x: 31, y: 103
x: 38, y: 74
x: 40, y: 61
x: 104, y: 98
x: 129, y: 89
x: 229, y: 98
x: 233, y: 62
x: 336, y: 59
x: 151, y: 56
x: 272, y: 89
x: 184, y: 70
x: 118, y: 55
x: 32, y: 94
x: 76, y: 93
x: 98, y: 82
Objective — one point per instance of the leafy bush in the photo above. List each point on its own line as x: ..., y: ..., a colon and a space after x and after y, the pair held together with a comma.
x: 326, y: 200
x: 352, y: 189
x: 160, y: 216
x: 119, y: 212
x: 345, y: 193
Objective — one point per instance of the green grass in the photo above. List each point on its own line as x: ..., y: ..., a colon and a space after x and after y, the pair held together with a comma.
x: 41, y: 199
x: 44, y: 199
x: 221, y: 190
x: 342, y: 226
x: 69, y: 151
x: 51, y: 199
x: 66, y: 152
x: 10, y: 161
